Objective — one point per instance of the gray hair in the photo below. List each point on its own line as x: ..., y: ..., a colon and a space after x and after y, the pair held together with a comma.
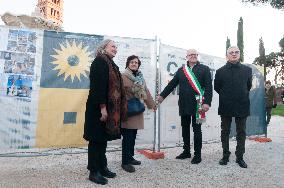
x: 101, y: 48
x: 231, y: 47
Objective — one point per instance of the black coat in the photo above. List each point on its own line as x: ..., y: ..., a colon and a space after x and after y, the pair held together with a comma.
x: 233, y: 83
x: 94, y: 129
x: 187, y: 100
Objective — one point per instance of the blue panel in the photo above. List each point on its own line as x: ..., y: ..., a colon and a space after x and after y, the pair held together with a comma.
x: 59, y: 51
x: 70, y: 117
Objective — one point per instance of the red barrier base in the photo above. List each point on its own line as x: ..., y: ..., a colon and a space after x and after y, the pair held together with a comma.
x: 260, y: 139
x: 151, y: 154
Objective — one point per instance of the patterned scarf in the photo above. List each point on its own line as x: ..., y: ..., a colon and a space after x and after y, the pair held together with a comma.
x: 117, y: 105
x: 139, y: 86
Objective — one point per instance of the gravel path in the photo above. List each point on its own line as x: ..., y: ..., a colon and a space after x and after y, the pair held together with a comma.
x: 265, y: 168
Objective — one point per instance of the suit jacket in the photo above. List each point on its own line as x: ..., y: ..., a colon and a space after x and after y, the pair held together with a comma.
x: 187, y: 101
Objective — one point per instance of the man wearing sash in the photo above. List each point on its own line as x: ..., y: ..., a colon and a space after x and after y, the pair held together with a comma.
x: 195, y: 95
x: 233, y: 82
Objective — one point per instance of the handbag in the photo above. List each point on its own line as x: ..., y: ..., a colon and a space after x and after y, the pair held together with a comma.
x: 134, y: 107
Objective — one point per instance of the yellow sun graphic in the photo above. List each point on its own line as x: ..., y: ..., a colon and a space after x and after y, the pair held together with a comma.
x: 72, y: 60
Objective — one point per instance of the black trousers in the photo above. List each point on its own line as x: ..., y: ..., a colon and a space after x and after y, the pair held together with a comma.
x: 197, y: 134
x: 268, y: 114
x: 241, y: 135
x: 128, y: 143
x: 97, y: 156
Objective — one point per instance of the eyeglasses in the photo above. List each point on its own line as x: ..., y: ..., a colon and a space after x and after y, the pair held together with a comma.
x: 192, y: 54
x: 234, y: 52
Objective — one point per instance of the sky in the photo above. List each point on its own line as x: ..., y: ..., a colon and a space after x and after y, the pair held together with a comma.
x: 200, y: 24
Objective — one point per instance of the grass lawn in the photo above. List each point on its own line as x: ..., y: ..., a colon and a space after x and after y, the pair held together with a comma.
x: 279, y: 110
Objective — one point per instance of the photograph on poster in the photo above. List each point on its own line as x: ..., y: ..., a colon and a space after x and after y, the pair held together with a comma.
x: 22, y: 48
x: 20, y: 63
x: 13, y: 35
x: 23, y: 37
x: 32, y: 38
x: 31, y: 48
x: 5, y: 55
x: 12, y: 46
x: 19, y: 86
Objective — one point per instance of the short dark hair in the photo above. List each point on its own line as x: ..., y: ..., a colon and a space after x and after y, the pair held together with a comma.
x: 131, y: 58
x: 268, y: 82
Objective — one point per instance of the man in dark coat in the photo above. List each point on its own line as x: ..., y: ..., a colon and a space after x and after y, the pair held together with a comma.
x: 270, y: 100
x: 233, y: 82
x: 187, y: 102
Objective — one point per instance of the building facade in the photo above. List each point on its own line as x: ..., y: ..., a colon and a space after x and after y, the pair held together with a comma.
x: 52, y: 10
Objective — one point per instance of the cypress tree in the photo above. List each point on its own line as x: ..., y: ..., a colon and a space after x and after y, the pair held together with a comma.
x: 241, y: 39
x: 228, y: 44
x: 262, y: 56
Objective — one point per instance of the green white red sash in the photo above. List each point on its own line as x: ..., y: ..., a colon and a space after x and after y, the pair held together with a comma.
x: 200, y: 114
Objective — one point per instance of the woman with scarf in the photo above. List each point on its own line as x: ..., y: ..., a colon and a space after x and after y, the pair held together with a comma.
x: 135, y: 86
x: 105, y: 109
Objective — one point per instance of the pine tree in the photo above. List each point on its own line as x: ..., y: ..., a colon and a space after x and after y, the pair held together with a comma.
x: 241, y: 39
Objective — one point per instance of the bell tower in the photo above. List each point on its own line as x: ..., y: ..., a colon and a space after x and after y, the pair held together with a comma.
x: 52, y: 10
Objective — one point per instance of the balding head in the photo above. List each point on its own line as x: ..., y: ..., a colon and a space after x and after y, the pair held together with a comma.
x: 191, y: 56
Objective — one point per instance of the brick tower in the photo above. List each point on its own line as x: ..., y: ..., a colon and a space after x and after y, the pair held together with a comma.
x: 52, y: 10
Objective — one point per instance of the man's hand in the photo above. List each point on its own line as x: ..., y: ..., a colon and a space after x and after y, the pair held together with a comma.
x: 205, y: 107
x: 104, y: 114
x: 160, y: 99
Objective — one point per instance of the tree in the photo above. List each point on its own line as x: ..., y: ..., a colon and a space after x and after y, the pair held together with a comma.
x: 240, y: 39
x: 228, y: 44
x: 273, y: 61
x: 262, y: 57
x: 277, y: 4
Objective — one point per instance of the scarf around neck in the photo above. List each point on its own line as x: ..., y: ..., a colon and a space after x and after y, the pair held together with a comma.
x: 116, y: 105
x: 139, y: 86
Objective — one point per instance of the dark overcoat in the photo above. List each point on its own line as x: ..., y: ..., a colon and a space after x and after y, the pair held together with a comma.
x: 94, y: 129
x: 187, y: 101
x: 270, y: 97
x: 233, y: 82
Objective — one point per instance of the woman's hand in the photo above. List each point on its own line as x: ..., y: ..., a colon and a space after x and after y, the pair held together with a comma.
x: 154, y: 108
x: 104, y: 114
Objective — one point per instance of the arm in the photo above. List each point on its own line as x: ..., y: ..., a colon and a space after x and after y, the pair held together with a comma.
x: 99, y: 82
x: 150, y: 103
x: 249, y: 83
x: 217, y: 82
x: 207, y: 87
x: 170, y: 87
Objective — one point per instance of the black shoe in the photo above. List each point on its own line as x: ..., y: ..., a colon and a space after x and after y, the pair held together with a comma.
x: 183, y: 155
x: 107, y: 173
x: 128, y: 168
x: 224, y: 161
x: 242, y: 163
x: 196, y: 159
x: 96, y: 177
x: 135, y: 162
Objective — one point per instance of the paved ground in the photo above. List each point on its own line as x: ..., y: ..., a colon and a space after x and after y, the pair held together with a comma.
x: 265, y: 168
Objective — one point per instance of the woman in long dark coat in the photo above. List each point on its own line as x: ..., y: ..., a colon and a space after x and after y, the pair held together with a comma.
x: 105, y: 109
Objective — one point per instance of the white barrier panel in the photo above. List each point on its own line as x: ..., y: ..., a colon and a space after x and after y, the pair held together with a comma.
x: 20, y: 64
x: 170, y: 59
x: 42, y: 91
x: 146, y: 50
